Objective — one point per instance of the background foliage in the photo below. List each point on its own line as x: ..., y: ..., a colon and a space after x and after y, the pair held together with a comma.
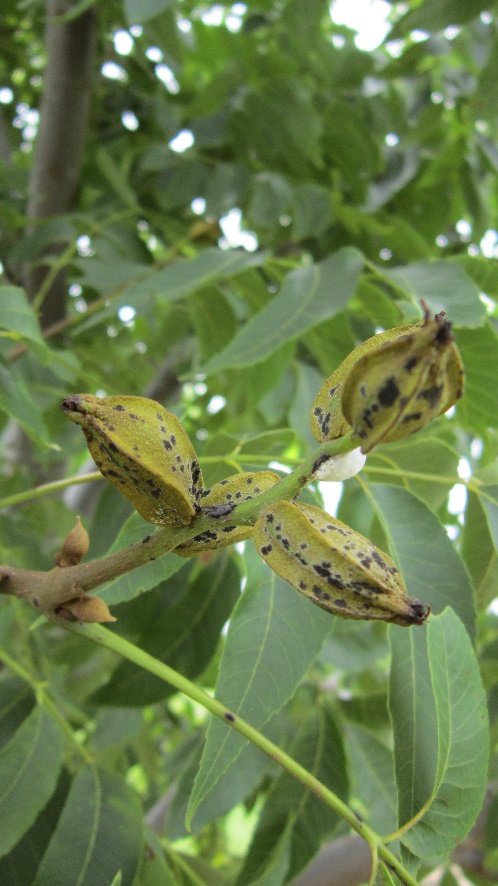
x: 363, y: 182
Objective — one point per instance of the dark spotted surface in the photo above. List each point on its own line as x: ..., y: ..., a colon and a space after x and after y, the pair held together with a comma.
x: 396, y: 389
x: 320, y: 557
x: 219, y: 502
x: 142, y: 449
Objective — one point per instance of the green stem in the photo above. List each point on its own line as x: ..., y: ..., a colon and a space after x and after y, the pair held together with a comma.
x: 56, y: 485
x: 40, y: 691
x: 291, y: 485
x: 46, y: 488
x: 60, y: 262
x: 418, y: 475
x: 104, y: 637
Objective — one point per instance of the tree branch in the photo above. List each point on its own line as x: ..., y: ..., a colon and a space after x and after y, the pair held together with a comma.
x: 47, y: 591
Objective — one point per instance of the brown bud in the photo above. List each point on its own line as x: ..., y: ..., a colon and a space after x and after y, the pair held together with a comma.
x: 75, y: 546
x: 85, y: 608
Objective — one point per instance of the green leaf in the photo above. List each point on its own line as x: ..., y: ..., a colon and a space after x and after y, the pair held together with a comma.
x: 478, y: 408
x: 308, y: 296
x: 29, y: 766
x: 16, y: 401
x: 424, y: 453
x: 184, y: 276
x: 312, y: 210
x: 20, y: 865
x: 116, y: 178
x: 431, y: 567
x: 318, y: 748
x: 387, y: 879
x: 213, y: 320
x: 101, y: 823
x: 183, y: 634
x: 330, y: 342
x: 273, y: 637
x: 154, y: 869
x: 136, y: 582
x: 372, y: 774
x: 271, y: 197
x: 19, y: 321
x: 479, y: 548
x: 277, y: 861
x: 308, y: 382
x: 444, y: 286
x: 16, y: 702
x: 483, y: 271
x: 116, y: 727
x: 438, y: 707
x: 355, y: 645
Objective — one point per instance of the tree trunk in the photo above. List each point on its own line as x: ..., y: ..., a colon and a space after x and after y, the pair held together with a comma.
x: 64, y: 111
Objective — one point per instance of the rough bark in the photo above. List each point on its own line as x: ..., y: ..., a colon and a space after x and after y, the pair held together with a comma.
x: 64, y: 111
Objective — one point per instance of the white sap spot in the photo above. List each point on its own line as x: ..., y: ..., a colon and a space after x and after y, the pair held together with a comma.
x: 341, y: 467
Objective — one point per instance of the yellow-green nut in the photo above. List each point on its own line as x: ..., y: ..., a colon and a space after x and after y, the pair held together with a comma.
x: 219, y: 501
x: 327, y: 419
x: 144, y: 451
x: 336, y: 568
x: 397, y: 389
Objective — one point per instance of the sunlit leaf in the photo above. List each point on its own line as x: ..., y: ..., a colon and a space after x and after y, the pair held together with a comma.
x: 309, y: 295
x: 431, y: 567
x: 273, y: 637
x: 438, y: 708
